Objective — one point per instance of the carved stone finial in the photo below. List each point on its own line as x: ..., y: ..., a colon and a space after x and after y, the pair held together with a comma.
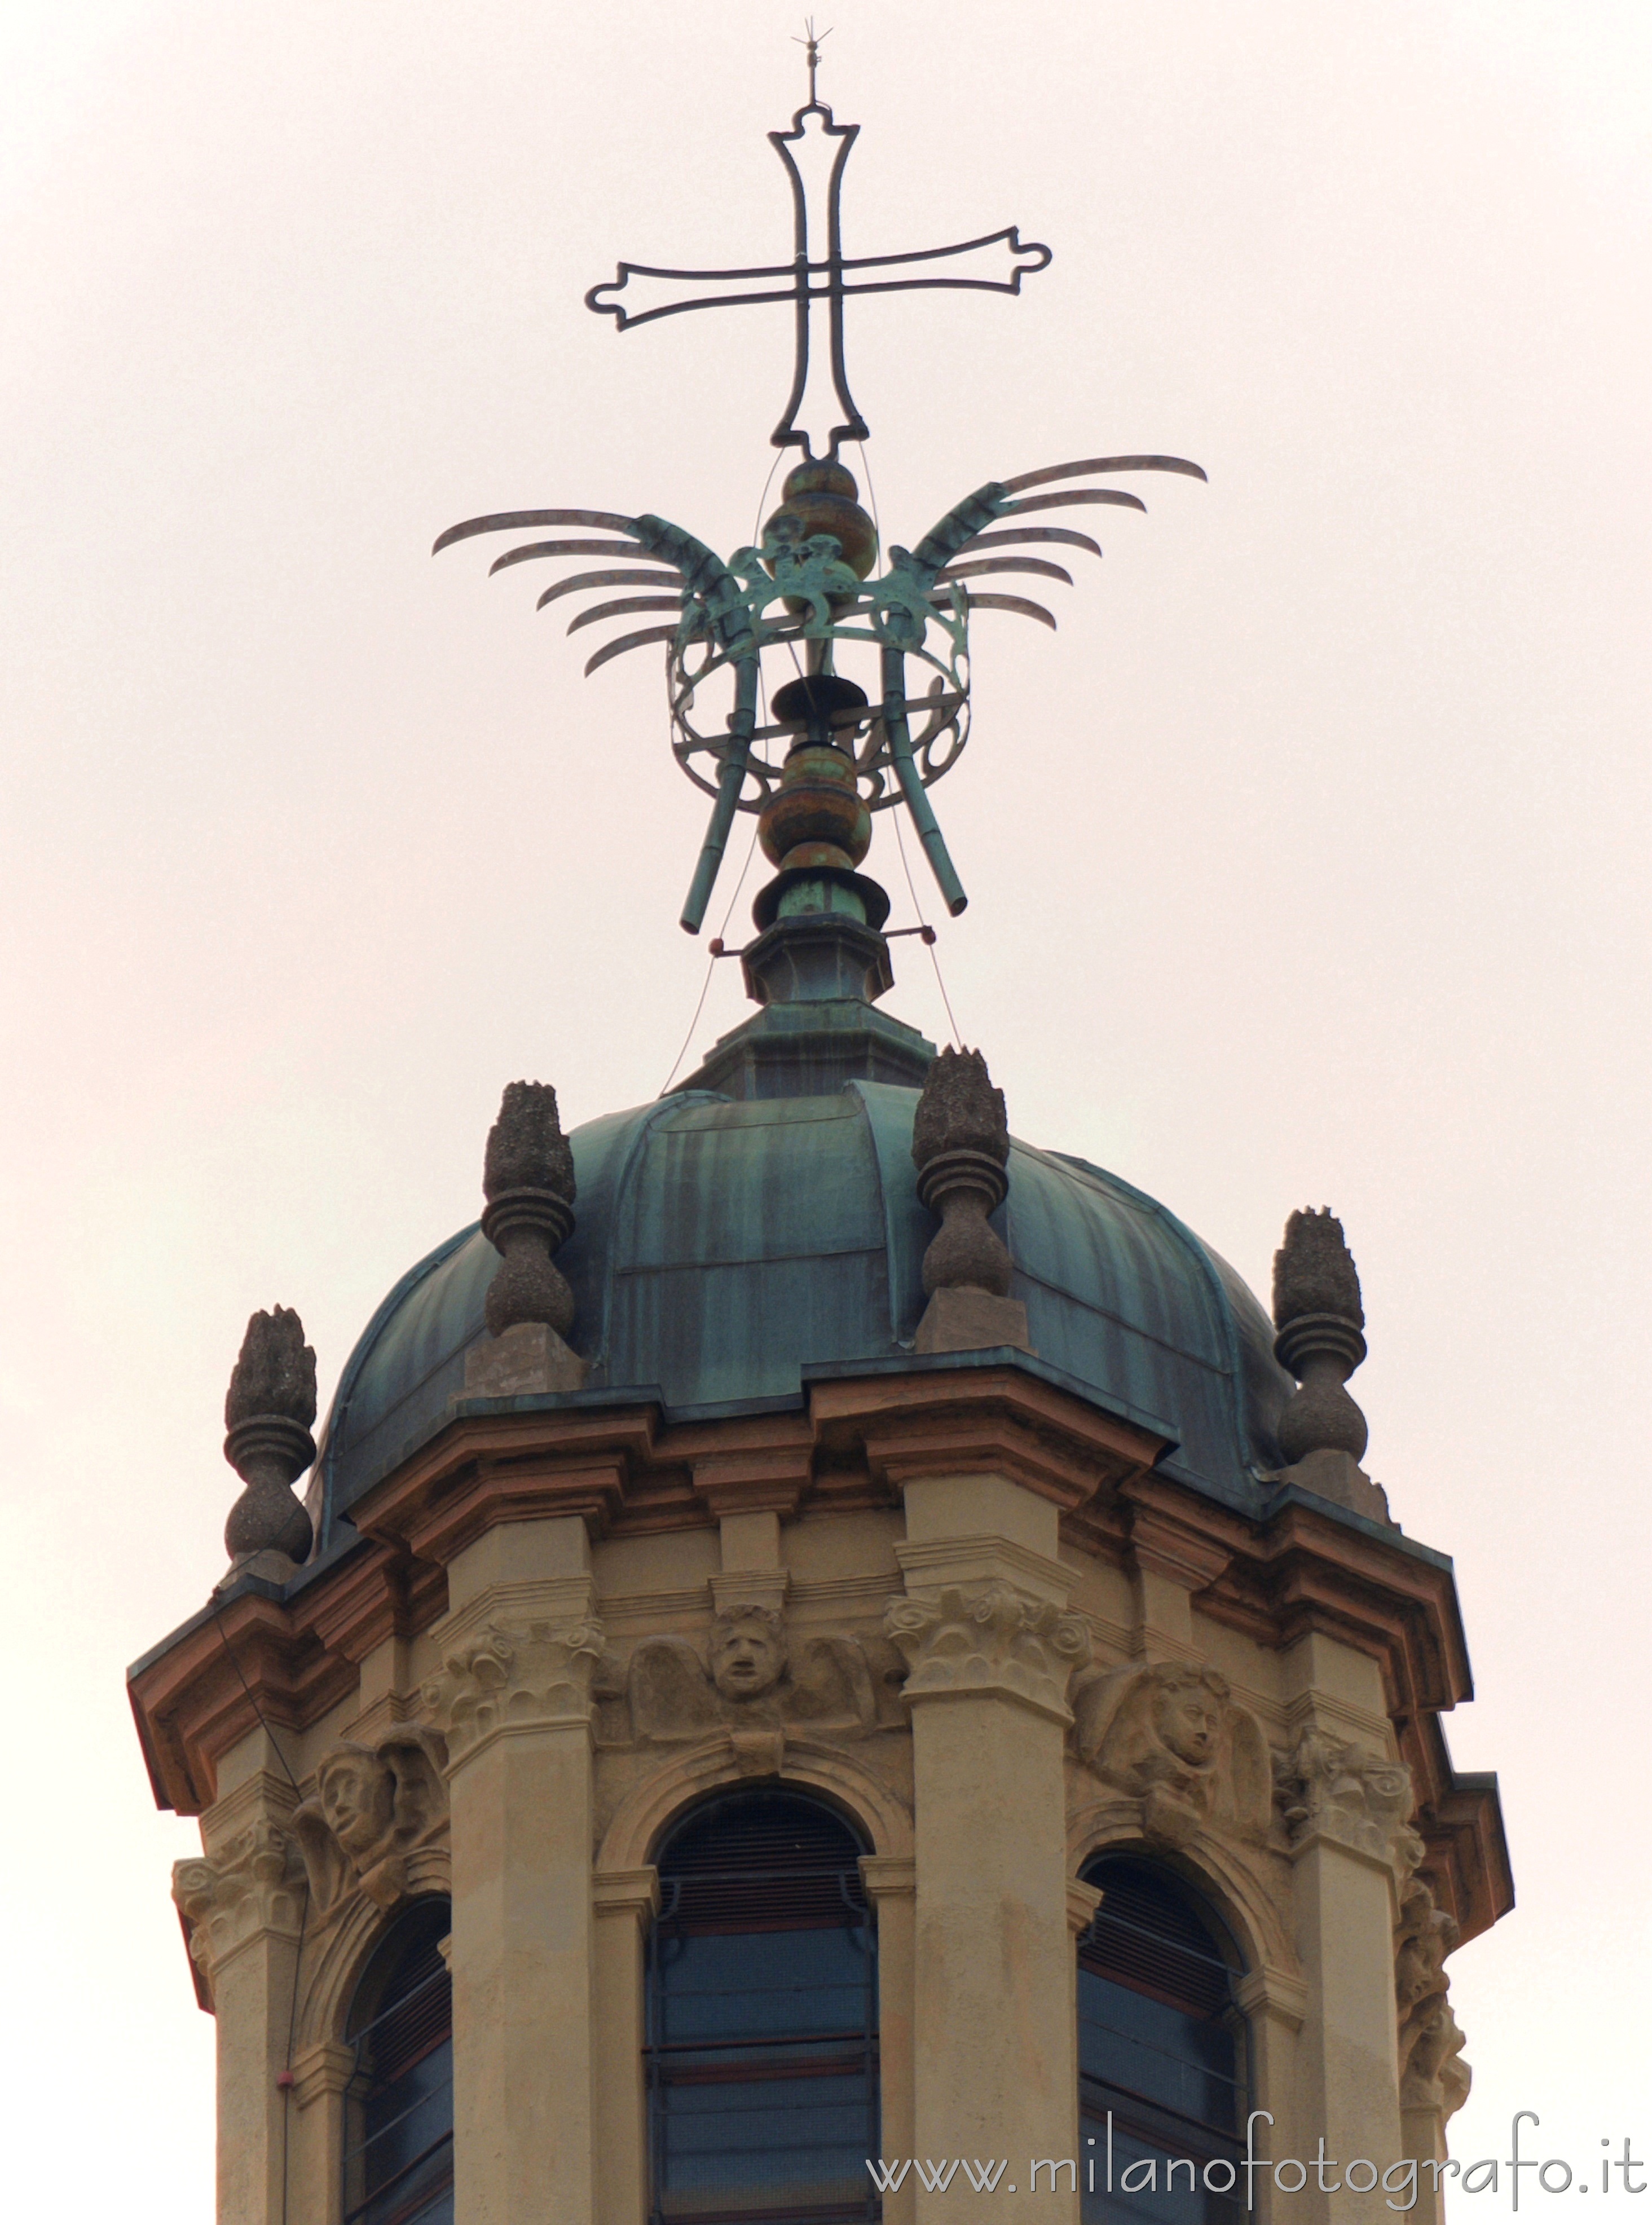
x: 527, y: 1180
x: 1318, y: 1314
x: 960, y: 1144
x: 268, y: 1411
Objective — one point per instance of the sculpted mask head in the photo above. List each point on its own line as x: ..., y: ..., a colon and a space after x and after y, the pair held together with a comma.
x: 1188, y: 1716
x: 357, y: 1798
x: 747, y: 1656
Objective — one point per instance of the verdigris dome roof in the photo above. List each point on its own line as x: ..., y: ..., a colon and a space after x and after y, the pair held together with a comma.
x: 726, y: 1252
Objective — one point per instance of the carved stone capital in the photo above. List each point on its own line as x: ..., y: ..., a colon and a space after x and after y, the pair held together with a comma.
x: 513, y: 1677
x: 1082, y: 1902
x: 989, y: 1639
x: 889, y: 1877
x: 326, y: 2068
x: 252, y: 1887
x: 1329, y: 1788
x: 635, y: 1893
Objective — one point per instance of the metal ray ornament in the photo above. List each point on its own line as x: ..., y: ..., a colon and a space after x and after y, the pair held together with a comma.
x: 828, y: 753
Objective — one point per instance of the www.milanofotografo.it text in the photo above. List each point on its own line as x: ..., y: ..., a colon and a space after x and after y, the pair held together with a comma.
x: 1399, y: 2182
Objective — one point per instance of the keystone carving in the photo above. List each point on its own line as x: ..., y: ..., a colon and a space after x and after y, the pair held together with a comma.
x: 1329, y: 1788
x: 513, y: 1677
x: 1171, y: 1735
x: 989, y: 1638
x: 753, y: 1683
x: 372, y: 1806
x: 267, y: 1414
x: 252, y: 1885
x: 960, y: 1144
x: 1433, y: 2073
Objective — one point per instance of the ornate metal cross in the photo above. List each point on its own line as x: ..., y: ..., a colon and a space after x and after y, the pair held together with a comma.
x: 815, y: 152
x: 811, y: 594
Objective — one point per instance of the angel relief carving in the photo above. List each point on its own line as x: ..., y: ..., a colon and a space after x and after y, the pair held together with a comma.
x: 1171, y: 1735
x: 372, y: 1806
x: 1433, y: 2073
x: 753, y: 1683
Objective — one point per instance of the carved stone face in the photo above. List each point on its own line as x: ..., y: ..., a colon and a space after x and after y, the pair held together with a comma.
x: 357, y: 1800
x: 746, y: 1659
x: 1188, y: 1718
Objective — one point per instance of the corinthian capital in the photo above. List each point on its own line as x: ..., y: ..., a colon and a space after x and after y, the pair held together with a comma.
x: 989, y: 1638
x: 514, y: 1677
x: 1331, y: 1790
x: 252, y: 1886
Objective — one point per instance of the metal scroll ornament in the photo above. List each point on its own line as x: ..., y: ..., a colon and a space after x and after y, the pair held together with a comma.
x: 808, y: 596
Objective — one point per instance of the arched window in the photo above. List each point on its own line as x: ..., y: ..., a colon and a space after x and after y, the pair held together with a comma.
x: 1161, y: 2054
x: 399, y: 2141
x: 760, y: 2054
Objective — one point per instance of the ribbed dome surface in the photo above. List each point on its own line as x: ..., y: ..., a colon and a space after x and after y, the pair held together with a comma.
x: 727, y: 1252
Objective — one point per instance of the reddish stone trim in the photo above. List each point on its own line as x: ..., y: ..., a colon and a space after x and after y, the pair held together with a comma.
x: 953, y: 1422
x: 621, y: 1471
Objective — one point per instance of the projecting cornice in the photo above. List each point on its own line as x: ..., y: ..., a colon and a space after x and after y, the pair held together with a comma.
x: 1304, y: 1566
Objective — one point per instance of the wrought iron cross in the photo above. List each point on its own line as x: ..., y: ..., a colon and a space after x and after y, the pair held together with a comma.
x: 812, y: 277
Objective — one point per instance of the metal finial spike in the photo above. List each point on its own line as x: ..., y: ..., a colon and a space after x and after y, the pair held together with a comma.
x: 811, y: 42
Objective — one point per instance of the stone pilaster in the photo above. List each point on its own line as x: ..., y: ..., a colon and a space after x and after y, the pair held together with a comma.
x: 513, y: 1701
x: 990, y: 1649
x: 626, y: 1903
x: 1346, y: 1805
x: 891, y: 1884
x: 244, y: 1906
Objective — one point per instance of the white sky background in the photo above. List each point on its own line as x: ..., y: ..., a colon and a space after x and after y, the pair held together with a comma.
x: 1307, y: 864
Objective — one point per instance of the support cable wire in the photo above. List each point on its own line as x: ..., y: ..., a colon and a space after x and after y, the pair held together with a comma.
x: 927, y: 933
x: 924, y: 928
x: 716, y: 950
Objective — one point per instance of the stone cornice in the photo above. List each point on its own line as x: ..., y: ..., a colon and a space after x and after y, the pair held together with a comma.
x: 487, y: 1468
x: 768, y: 1472
x: 1301, y: 1569
x: 996, y: 1421
x: 979, y: 1560
x: 288, y: 1662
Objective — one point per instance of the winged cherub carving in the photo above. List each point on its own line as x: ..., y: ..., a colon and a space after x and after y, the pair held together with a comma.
x: 752, y: 1677
x: 1172, y: 1735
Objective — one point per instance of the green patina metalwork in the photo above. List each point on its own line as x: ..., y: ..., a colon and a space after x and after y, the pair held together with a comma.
x: 729, y: 1253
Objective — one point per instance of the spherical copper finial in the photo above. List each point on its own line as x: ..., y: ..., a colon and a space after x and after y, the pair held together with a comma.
x: 817, y: 817
x: 821, y: 497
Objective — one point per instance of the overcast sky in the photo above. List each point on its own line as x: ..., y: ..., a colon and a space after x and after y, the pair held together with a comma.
x: 1308, y: 862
